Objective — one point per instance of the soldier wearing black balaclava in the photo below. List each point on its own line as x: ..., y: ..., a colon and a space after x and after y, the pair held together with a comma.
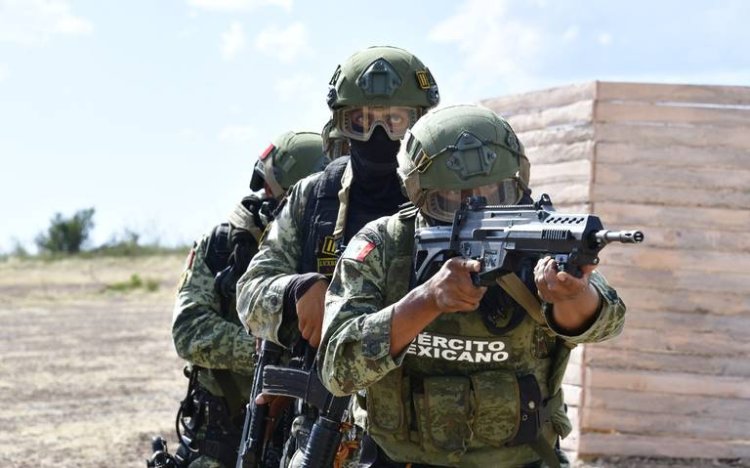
x: 374, y: 96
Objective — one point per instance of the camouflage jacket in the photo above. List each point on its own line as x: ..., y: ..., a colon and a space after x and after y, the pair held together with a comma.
x: 206, y: 335
x: 260, y: 291
x: 355, y: 353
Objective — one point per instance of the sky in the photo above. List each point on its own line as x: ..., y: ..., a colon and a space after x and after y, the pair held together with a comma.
x: 154, y: 112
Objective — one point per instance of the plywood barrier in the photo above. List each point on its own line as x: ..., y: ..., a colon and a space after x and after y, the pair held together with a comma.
x: 674, y: 161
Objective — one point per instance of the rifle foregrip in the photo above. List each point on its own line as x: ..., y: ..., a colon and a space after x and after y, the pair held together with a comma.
x: 322, y: 445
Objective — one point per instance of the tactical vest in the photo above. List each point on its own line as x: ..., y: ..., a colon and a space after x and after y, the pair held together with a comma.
x: 319, y: 219
x: 463, y: 394
x: 234, y: 387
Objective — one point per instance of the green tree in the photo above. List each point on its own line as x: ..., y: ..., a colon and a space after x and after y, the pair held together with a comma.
x: 67, y: 235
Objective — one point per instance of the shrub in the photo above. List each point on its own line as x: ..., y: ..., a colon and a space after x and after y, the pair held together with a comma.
x: 67, y: 235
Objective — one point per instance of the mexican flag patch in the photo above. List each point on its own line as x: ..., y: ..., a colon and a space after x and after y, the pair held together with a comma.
x: 358, y: 249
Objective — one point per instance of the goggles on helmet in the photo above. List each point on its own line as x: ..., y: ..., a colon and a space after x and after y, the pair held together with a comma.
x: 358, y: 123
x: 441, y: 205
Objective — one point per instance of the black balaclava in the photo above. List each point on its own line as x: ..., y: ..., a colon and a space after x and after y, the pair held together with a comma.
x: 376, y: 190
x: 374, y: 158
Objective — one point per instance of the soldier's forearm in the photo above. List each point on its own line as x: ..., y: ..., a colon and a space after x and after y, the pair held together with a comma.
x: 411, y: 315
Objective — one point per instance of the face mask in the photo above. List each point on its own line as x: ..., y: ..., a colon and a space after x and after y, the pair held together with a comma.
x: 375, y: 157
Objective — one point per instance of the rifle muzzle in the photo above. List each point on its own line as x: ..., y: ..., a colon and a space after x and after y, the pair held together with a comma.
x: 604, y: 237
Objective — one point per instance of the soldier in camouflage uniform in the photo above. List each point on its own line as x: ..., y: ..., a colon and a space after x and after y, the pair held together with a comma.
x: 457, y: 375
x: 206, y: 330
x: 374, y: 97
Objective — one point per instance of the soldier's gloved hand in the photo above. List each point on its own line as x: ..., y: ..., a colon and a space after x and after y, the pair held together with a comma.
x: 556, y: 286
x: 310, y: 312
x: 451, y: 287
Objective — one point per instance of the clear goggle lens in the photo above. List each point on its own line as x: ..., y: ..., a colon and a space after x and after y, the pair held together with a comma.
x: 358, y: 123
x: 443, y: 204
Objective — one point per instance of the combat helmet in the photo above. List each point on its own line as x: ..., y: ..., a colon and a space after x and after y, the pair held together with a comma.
x: 289, y: 158
x: 379, y: 86
x: 460, y: 151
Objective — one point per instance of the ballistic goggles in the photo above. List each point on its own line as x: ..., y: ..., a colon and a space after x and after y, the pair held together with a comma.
x: 358, y: 123
x: 266, y: 173
x: 441, y: 205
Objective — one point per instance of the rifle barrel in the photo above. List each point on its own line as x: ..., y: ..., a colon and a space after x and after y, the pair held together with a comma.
x: 626, y: 237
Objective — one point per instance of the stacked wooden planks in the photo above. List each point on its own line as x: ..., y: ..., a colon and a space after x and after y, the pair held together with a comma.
x: 674, y: 161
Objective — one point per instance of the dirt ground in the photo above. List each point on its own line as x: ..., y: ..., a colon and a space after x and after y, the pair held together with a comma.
x: 88, y: 375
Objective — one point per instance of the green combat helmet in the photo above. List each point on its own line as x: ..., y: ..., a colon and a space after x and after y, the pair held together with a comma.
x: 461, y: 151
x: 334, y: 147
x: 384, y: 86
x: 291, y: 156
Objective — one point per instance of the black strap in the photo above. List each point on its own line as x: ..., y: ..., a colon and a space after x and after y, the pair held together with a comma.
x: 219, y: 248
x: 219, y: 449
x: 321, y: 210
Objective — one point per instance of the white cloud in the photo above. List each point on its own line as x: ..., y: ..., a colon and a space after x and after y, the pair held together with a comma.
x: 571, y: 33
x: 307, y: 97
x: 297, y: 89
x: 284, y: 44
x: 604, y: 39
x: 238, y: 134
x: 239, y: 5
x: 232, y: 41
x: 33, y: 22
x: 496, y: 48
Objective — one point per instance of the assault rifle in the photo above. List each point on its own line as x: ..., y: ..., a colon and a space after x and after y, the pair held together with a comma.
x: 501, y: 236
x: 298, y: 379
x: 303, y: 384
x: 252, y: 445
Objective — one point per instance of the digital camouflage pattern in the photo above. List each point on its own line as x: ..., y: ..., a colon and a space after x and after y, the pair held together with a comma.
x: 207, y: 335
x: 204, y: 334
x: 463, y: 410
x: 260, y: 291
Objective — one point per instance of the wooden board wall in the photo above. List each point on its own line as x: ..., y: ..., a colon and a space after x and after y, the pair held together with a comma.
x: 674, y: 161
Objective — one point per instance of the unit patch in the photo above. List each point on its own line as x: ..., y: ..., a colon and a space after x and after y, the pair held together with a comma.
x: 425, y: 79
x: 329, y: 246
x: 326, y: 266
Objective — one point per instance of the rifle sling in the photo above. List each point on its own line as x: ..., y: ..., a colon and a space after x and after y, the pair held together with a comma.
x: 513, y: 285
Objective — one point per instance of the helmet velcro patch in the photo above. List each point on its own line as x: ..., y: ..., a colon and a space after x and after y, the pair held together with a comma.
x: 267, y: 151
x: 423, y: 162
x: 425, y: 79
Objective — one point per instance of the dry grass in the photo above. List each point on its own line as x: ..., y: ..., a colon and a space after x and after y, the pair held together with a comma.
x: 89, y: 375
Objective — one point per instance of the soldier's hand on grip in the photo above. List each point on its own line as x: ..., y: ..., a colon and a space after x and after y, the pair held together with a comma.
x: 555, y: 286
x: 452, y: 289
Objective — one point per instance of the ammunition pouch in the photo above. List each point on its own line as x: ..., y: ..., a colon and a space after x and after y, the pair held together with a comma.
x: 209, y: 429
x: 495, y: 407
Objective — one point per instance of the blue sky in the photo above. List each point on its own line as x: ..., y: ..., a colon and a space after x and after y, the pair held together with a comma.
x: 153, y: 112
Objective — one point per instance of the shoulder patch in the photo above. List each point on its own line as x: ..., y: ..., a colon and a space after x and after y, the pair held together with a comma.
x: 188, y: 269
x: 190, y: 259
x: 358, y: 249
